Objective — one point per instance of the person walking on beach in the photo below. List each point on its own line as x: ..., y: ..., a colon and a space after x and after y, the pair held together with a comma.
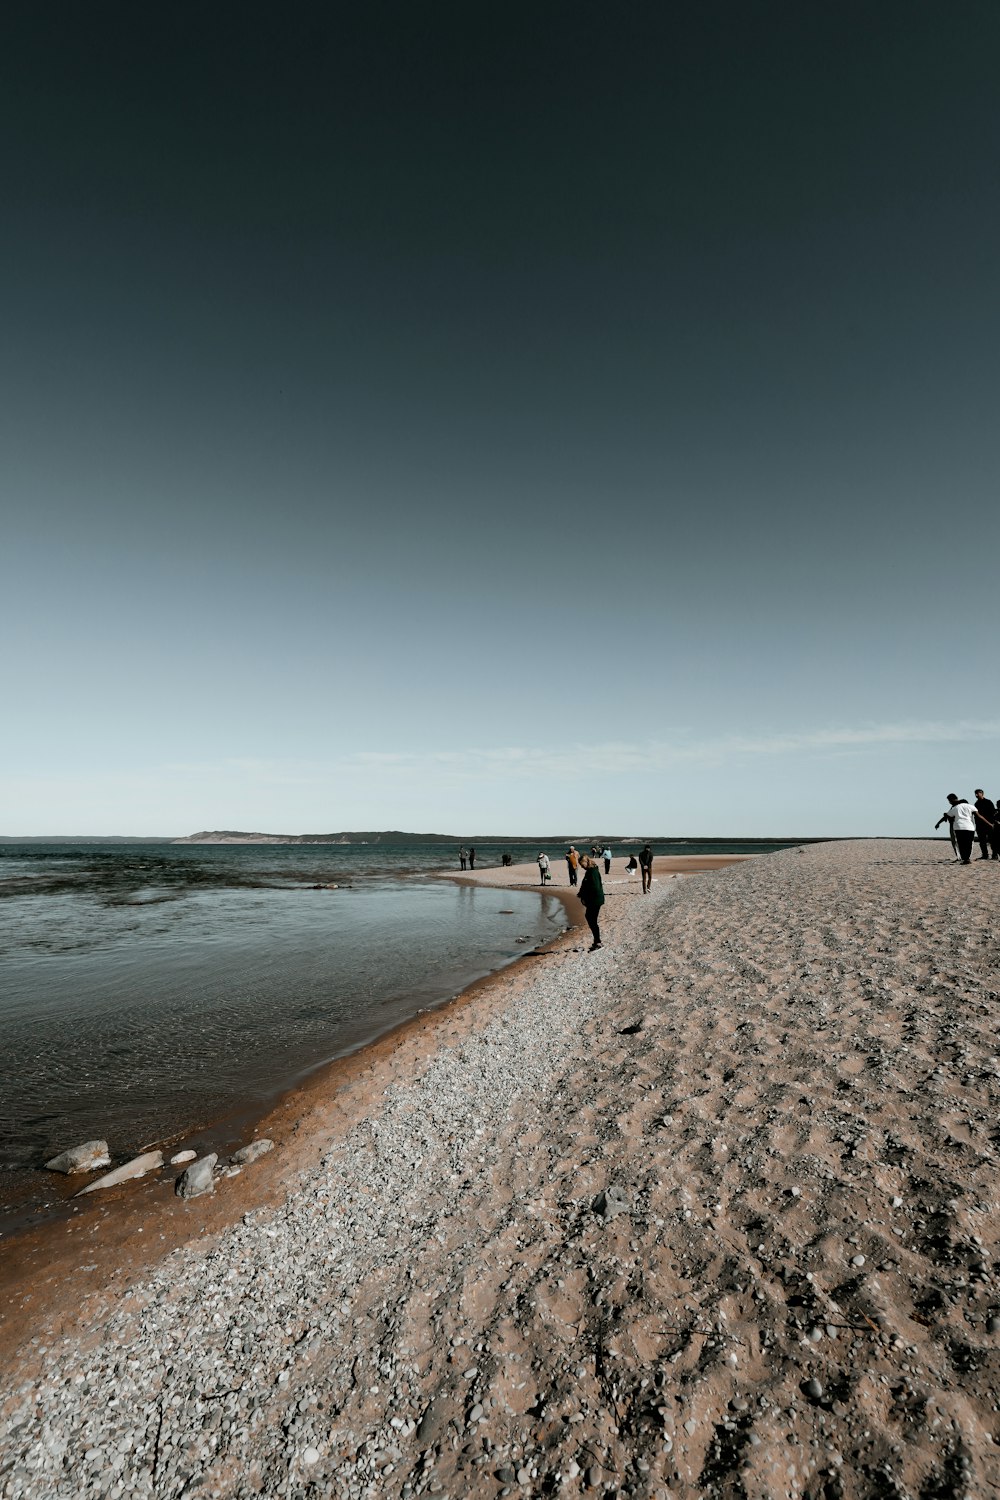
x: 986, y: 825
x: 944, y: 818
x: 543, y: 868
x: 963, y: 825
x: 572, y: 860
x: 592, y: 898
x: 646, y: 866
x: 606, y: 856
x: 463, y: 855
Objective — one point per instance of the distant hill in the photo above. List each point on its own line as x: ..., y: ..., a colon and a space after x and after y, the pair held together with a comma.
x: 85, y: 838
x: 381, y: 836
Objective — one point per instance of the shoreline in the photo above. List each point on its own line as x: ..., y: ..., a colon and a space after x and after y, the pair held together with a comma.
x: 34, y: 1197
x: 149, y: 1205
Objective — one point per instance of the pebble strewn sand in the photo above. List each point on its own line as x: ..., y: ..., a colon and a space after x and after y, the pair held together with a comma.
x: 708, y: 1213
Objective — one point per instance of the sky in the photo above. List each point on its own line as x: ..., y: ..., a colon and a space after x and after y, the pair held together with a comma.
x: 490, y: 419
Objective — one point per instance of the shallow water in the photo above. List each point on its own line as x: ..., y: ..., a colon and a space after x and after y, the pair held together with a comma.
x: 147, y: 990
x: 139, y: 1004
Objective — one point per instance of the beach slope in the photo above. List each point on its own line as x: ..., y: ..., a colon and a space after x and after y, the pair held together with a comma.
x: 707, y: 1213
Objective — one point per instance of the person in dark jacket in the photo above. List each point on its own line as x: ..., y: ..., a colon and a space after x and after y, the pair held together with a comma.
x: 986, y: 825
x: 592, y: 897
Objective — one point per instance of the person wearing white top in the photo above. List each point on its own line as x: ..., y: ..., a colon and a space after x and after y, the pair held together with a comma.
x: 962, y: 818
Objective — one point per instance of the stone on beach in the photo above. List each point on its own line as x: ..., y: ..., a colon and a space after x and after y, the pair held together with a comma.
x: 246, y: 1154
x: 149, y: 1161
x: 198, y: 1178
x: 85, y: 1158
x: 611, y: 1201
x: 182, y: 1156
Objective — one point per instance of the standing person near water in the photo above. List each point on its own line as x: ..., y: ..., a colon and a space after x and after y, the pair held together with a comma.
x: 472, y: 858
x: 592, y: 897
x: 572, y: 860
x: 543, y: 868
x: 963, y: 825
x: 606, y: 856
x: 463, y: 855
x: 646, y: 866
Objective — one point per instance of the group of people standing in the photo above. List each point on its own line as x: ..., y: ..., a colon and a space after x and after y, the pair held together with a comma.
x: 584, y: 872
x: 968, y: 822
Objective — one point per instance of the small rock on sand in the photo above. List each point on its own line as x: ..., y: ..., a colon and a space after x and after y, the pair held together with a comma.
x: 182, y: 1156
x: 246, y: 1154
x: 610, y: 1202
x: 198, y: 1178
x: 149, y: 1161
x: 85, y: 1158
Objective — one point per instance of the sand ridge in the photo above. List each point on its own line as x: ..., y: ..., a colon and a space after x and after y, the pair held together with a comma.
x: 711, y: 1212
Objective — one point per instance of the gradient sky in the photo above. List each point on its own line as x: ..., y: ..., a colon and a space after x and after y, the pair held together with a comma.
x: 499, y: 418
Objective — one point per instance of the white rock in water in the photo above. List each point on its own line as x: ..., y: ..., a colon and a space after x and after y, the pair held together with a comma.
x: 198, y: 1178
x: 181, y: 1156
x: 137, y: 1167
x: 85, y: 1158
x: 246, y: 1154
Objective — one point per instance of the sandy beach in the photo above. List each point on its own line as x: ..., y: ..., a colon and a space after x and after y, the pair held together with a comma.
x: 707, y: 1213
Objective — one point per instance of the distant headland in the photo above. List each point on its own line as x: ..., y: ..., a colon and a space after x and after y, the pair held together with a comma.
x: 382, y: 836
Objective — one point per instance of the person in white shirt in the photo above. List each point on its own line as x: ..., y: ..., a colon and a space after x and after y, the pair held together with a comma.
x: 543, y: 868
x: 962, y: 818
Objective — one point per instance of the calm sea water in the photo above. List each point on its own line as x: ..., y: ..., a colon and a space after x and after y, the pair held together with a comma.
x: 146, y: 990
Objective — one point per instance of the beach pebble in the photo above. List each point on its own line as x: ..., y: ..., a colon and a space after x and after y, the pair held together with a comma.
x: 610, y: 1202
x: 85, y: 1158
x: 149, y: 1161
x: 857, y: 1260
x: 310, y: 1456
x: 813, y: 1389
x: 198, y: 1178
x: 993, y: 1324
x: 182, y: 1156
x: 246, y: 1154
x: 897, y: 1202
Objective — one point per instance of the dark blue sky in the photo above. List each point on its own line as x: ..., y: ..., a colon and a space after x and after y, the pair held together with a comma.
x: 414, y: 416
